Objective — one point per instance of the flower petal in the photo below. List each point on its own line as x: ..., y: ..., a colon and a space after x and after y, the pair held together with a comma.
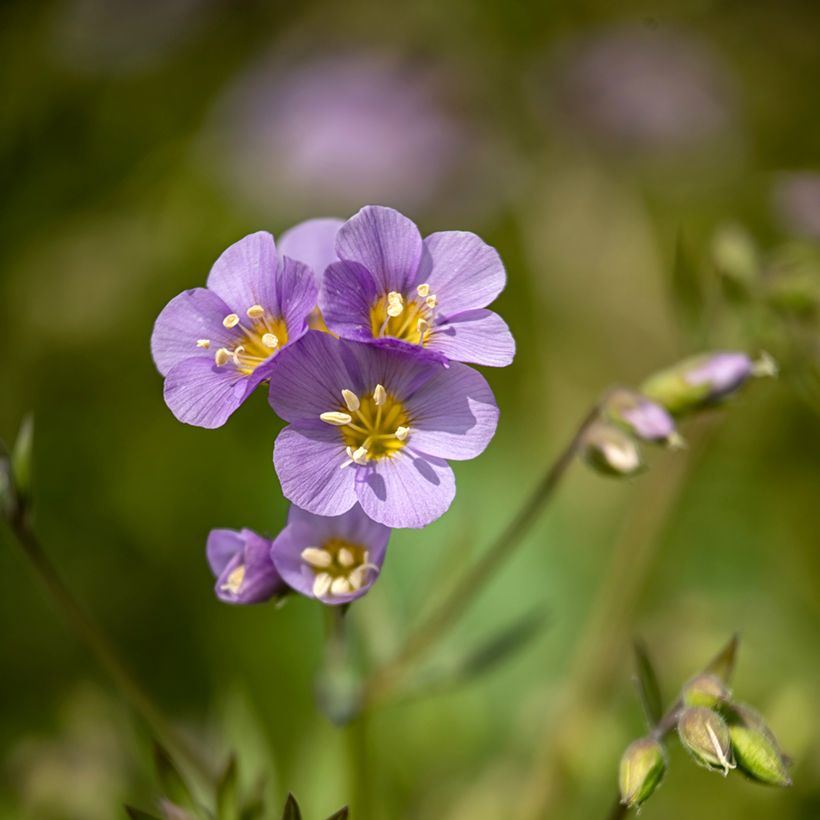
x: 308, y: 457
x: 296, y: 296
x: 454, y: 415
x: 221, y: 546
x: 192, y: 315
x: 385, y: 242
x: 245, y: 274
x: 462, y: 270
x: 409, y: 490
x: 348, y: 293
x: 258, y: 581
x: 475, y: 336
x: 313, y: 243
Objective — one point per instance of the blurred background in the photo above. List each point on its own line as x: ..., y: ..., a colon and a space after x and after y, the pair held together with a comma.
x: 612, y: 157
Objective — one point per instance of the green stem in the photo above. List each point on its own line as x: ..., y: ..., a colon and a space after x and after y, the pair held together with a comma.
x: 89, y: 633
x: 443, y: 618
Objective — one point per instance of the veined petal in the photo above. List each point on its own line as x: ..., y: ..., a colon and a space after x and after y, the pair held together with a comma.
x: 245, y: 274
x: 454, y: 414
x: 409, y: 490
x: 385, y: 242
x: 221, y: 547
x: 296, y: 296
x: 313, y: 243
x: 348, y: 293
x: 462, y: 270
x: 475, y: 336
x: 250, y: 576
x: 192, y: 315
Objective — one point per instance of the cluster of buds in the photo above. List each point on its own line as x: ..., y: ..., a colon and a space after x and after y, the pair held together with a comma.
x: 629, y: 417
x: 719, y: 733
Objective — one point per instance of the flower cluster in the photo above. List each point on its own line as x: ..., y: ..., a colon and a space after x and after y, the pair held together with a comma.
x: 361, y: 330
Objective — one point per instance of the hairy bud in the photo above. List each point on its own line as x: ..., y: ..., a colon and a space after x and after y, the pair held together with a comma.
x: 756, y: 750
x: 704, y: 690
x: 643, y: 766
x: 643, y: 418
x: 609, y: 450
x: 705, y: 735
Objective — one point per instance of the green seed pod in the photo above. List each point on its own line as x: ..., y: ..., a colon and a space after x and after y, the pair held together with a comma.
x: 643, y: 766
x: 609, y: 450
x: 704, y: 690
x: 756, y: 749
x: 705, y: 735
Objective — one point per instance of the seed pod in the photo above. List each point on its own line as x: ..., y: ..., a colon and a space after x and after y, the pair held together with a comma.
x: 643, y: 766
x: 756, y: 750
x: 609, y: 450
x: 705, y: 735
x: 704, y: 690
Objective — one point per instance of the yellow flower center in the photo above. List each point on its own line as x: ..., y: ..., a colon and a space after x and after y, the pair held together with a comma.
x: 404, y: 317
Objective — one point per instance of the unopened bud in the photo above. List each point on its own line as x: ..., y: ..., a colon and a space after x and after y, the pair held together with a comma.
x: 609, y: 450
x: 756, y: 749
x: 645, y: 419
x: 643, y: 765
x: 736, y: 258
x: 704, y: 690
x: 705, y: 735
x: 703, y: 380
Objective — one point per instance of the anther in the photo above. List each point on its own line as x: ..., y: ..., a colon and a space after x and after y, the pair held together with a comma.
x: 206, y: 343
x: 359, y: 456
x: 235, y: 579
x: 255, y: 312
x: 345, y: 557
x: 395, y: 304
x: 402, y: 433
x: 423, y: 290
x: 321, y: 584
x: 231, y: 320
x: 423, y: 325
x: 336, y: 419
x: 379, y: 395
x: 316, y: 557
x: 431, y: 300
x: 237, y: 352
x: 340, y: 586
x: 351, y: 400
x: 222, y: 356
x: 270, y: 340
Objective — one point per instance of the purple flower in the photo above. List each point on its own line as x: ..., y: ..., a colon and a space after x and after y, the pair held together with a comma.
x: 374, y: 425
x: 394, y: 289
x: 242, y: 564
x: 797, y: 203
x: 335, y: 559
x: 645, y: 419
x: 214, y: 345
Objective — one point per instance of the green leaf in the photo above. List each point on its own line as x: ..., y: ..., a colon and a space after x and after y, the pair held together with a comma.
x: 649, y: 689
x: 138, y: 814
x: 227, y: 793
x: 21, y: 458
x: 171, y: 781
x: 292, y: 811
x: 723, y: 664
x: 342, y: 814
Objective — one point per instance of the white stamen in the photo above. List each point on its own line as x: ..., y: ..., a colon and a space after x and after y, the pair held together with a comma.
x: 422, y: 327
x: 222, y: 356
x: 231, y: 320
x: 359, y: 456
x: 346, y: 557
x: 206, y: 343
x: 355, y: 579
x: 238, y: 351
x: 317, y: 557
x: 340, y: 586
x: 351, y: 400
x: 718, y: 750
x: 255, y: 312
x: 235, y: 579
x: 423, y: 290
x: 270, y: 340
x: 395, y: 304
x: 379, y: 395
x: 402, y: 433
x: 336, y: 419
x: 321, y: 584
x: 431, y: 300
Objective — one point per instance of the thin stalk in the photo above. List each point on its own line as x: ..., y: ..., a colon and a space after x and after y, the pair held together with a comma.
x: 96, y: 640
x: 445, y: 616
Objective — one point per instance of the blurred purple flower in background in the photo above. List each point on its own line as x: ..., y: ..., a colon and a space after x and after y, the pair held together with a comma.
x: 335, y: 559
x: 797, y: 203
x: 394, y: 289
x: 240, y: 561
x: 375, y: 426
x: 645, y: 419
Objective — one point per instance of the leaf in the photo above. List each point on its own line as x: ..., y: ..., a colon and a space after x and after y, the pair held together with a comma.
x: 723, y: 664
x: 21, y: 457
x: 138, y: 814
x: 291, y: 811
x: 227, y: 796
x: 171, y: 781
x: 646, y: 680
x: 339, y: 815
x: 687, y: 288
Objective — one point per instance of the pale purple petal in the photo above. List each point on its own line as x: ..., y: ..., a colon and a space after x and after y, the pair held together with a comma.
x: 453, y: 415
x: 259, y: 580
x: 222, y: 545
x: 313, y: 243
x: 462, y: 270
x: 245, y: 274
x: 409, y: 490
x: 723, y: 372
x: 192, y: 315
x: 649, y: 421
x: 296, y: 296
x: 200, y: 393
x: 385, y: 242
x: 308, y: 458
x: 347, y: 296
x: 475, y: 336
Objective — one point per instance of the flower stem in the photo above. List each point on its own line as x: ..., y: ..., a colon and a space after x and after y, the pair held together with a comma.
x: 95, y: 639
x: 443, y: 618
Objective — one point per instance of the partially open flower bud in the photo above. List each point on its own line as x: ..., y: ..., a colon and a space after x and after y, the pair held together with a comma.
x: 756, y: 750
x: 642, y: 768
x: 704, y: 690
x: 609, y: 450
x: 645, y: 419
x: 703, y: 380
x: 705, y: 735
